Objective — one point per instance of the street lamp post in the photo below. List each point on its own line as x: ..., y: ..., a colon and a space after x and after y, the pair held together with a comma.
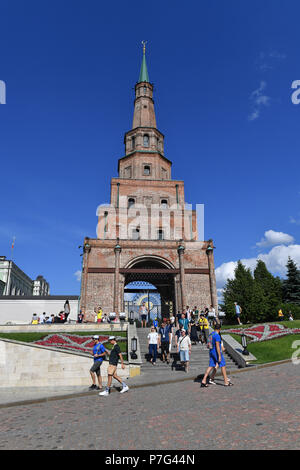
x: 133, y: 354
x: 245, y: 351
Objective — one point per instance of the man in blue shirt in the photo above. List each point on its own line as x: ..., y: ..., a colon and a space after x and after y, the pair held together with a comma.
x: 216, y: 358
x: 164, y: 338
x: 238, y: 311
x: 98, y: 353
x: 184, y: 322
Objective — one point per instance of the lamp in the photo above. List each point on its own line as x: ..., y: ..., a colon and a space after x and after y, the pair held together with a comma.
x: 244, y: 344
x: 133, y: 348
x: 122, y: 316
x: 131, y: 317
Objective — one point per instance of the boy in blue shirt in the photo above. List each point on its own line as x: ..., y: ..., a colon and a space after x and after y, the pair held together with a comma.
x: 98, y: 353
x: 216, y: 358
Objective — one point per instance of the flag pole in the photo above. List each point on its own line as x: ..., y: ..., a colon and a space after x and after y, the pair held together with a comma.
x: 12, y: 247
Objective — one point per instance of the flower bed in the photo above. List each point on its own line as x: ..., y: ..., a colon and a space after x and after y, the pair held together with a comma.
x: 82, y: 344
x: 264, y: 332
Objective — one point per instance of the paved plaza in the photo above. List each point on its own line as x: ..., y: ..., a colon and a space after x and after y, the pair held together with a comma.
x: 261, y: 411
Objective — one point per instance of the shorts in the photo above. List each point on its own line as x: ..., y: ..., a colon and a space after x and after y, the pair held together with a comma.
x: 96, y: 367
x: 165, y: 347
x: 144, y: 317
x: 184, y: 356
x: 213, y: 361
x: 111, y: 370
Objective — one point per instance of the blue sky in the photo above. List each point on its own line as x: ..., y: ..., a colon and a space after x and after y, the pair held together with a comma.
x: 222, y: 73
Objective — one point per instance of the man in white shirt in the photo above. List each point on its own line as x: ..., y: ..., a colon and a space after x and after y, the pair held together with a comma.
x: 42, y: 318
x: 153, y: 343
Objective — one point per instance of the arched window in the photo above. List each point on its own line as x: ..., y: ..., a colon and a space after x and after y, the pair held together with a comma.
x: 131, y: 202
x: 146, y: 140
x: 145, y: 90
x: 164, y: 204
x: 147, y: 170
x: 160, y: 234
x: 136, y: 234
x: 133, y: 142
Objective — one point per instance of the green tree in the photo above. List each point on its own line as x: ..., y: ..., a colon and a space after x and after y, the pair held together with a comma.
x: 258, y: 307
x: 272, y: 291
x: 291, y: 285
x: 240, y: 290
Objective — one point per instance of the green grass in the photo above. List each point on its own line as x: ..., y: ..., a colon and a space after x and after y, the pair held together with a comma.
x: 272, y: 350
x: 31, y: 337
x: 286, y: 323
x: 277, y: 349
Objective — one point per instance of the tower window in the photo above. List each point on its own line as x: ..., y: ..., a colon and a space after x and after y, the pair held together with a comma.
x: 136, y: 234
x: 145, y: 90
x: 127, y: 172
x: 147, y: 170
x: 133, y: 142
x: 146, y: 140
x: 160, y: 234
x: 131, y: 202
x: 163, y: 173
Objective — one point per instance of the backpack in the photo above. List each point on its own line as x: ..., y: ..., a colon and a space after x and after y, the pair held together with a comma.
x: 210, y: 341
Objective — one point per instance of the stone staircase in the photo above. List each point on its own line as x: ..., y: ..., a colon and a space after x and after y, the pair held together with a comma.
x: 198, y: 363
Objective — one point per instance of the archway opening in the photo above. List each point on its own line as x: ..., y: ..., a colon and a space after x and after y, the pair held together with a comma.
x: 150, y: 280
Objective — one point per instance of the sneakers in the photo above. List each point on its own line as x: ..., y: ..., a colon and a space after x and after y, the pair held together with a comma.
x: 93, y: 387
x: 106, y: 392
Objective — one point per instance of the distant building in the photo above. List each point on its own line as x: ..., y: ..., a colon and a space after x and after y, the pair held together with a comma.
x: 14, y: 282
x: 41, y: 286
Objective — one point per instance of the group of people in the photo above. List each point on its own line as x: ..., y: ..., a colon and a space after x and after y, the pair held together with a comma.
x: 188, y: 329
x: 61, y: 317
x: 99, y: 353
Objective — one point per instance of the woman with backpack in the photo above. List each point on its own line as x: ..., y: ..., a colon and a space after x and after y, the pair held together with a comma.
x: 216, y: 358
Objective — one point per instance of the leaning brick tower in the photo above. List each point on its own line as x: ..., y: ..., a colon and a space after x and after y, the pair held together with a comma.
x: 147, y: 232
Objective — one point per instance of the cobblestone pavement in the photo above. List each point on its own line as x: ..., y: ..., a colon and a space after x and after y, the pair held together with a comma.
x: 261, y: 411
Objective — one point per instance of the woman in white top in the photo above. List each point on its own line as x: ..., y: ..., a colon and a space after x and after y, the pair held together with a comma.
x: 153, y: 343
x: 185, y: 345
x: 211, y: 315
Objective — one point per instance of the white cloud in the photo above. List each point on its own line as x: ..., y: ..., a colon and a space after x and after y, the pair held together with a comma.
x: 275, y: 238
x: 275, y: 260
x: 77, y: 274
x: 258, y: 99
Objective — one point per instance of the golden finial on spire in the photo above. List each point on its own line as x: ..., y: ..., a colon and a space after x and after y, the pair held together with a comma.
x: 144, y: 46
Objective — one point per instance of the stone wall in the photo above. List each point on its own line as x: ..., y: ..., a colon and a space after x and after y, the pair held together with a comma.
x: 23, y: 365
x: 20, y: 310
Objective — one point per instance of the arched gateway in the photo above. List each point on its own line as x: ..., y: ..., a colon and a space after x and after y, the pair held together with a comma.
x: 146, y: 233
x: 159, y: 273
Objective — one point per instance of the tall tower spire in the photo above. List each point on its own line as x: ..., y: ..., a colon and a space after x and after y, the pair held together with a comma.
x: 144, y: 77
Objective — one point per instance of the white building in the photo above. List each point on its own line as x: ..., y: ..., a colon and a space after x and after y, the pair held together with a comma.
x: 14, y: 282
x: 41, y: 286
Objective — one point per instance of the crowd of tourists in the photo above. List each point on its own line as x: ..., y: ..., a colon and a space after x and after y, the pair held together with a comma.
x: 186, y: 329
x: 45, y: 318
